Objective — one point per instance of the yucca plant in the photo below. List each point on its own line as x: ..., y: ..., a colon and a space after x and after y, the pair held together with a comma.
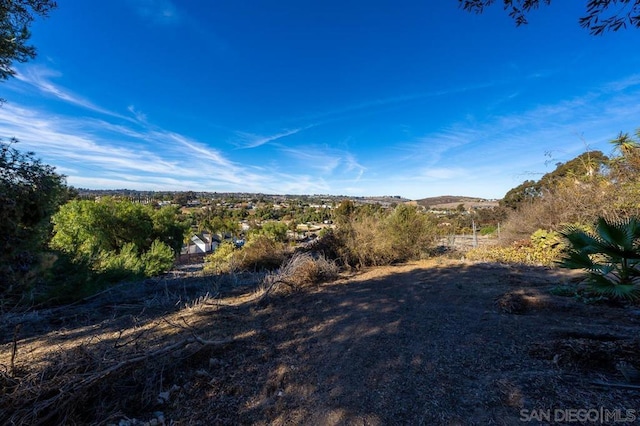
x: 610, y: 255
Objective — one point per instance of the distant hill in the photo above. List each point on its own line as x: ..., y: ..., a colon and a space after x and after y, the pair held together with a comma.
x: 453, y: 201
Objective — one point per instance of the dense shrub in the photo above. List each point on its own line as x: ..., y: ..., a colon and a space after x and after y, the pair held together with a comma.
x: 129, y: 262
x: 260, y: 252
x: 221, y: 260
x: 121, y: 264
x: 569, y: 202
x: 158, y: 259
x: 370, y: 237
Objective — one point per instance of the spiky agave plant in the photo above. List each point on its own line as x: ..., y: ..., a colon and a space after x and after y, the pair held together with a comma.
x: 610, y: 255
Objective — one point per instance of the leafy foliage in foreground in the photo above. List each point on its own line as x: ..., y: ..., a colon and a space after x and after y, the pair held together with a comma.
x: 610, y: 255
x: 600, y: 15
x: 30, y: 192
x: 15, y: 18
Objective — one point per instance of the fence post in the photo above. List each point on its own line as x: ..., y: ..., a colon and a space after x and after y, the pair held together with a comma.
x: 475, y: 234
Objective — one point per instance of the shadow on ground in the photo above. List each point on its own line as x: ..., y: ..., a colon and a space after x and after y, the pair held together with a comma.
x: 425, y: 343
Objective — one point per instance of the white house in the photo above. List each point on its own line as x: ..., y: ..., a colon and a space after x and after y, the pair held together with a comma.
x: 200, y: 243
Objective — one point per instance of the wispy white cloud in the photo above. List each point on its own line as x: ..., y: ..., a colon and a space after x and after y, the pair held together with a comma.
x: 492, y: 155
x: 40, y: 78
x: 250, y: 140
x: 114, y: 151
x: 372, y: 105
x: 352, y: 164
x: 157, y: 11
x: 138, y: 115
x: 331, y: 162
x: 199, y: 149
x: 443, y: 173
x: 479, y: 155
x: 623, y: 84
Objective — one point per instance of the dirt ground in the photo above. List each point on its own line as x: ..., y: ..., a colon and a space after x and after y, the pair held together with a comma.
x: 436, y: 342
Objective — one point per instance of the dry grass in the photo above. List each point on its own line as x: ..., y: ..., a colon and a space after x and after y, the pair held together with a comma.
x: 569, y: 203
x: 427, y: 342
x: 300, y: 271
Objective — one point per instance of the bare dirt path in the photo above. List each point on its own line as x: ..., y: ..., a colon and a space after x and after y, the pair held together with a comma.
x: 432, y: 342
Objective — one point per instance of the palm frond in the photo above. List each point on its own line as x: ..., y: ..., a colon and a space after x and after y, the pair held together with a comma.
x: 618, y: 234
x: 610, y: 255
x: 602, y: 285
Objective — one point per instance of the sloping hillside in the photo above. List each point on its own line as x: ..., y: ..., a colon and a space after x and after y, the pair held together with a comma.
x: 427, y: 343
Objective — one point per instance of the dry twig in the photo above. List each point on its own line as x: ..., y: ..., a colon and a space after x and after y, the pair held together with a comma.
x: 37, y: 412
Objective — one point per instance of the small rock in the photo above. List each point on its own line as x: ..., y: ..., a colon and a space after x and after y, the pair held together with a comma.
x: 213, y: 362
x: 163, y: 397
x: 202, y: 373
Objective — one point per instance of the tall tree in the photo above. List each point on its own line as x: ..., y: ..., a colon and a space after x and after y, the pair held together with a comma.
x: 30, y: 192
x: 15, y: 18
x: 121, y: 235
x: 626, y: 166
x: 599, y: 16
x: 584, y: 168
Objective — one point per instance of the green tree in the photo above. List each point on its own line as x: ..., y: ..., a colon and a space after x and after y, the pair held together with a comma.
x: 275, y: 230
x: 30, y: 192
x: 15, y: 18
x: 168, y: 227
x: 110, y: 234
x: 599, y: 16
x: 525, y: 192
x: 409, y: 231
x: 585, y: 167
x: 344, y: 211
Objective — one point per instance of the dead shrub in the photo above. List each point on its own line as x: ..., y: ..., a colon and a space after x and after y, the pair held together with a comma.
x: 511, y: 303
x: 520, y: 302
x: 301, y: 270
x: 368, y: 239
x: 260, y: 252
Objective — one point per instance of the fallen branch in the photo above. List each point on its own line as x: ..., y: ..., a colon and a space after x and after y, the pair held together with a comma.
x: 14, y: 350
x: 54, y: 405
x: 615, y: 385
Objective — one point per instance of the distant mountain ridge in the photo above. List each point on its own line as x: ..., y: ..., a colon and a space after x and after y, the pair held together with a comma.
x: 452, y: 201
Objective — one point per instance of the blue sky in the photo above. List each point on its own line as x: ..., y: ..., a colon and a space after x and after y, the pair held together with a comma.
x: 348, y: 97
